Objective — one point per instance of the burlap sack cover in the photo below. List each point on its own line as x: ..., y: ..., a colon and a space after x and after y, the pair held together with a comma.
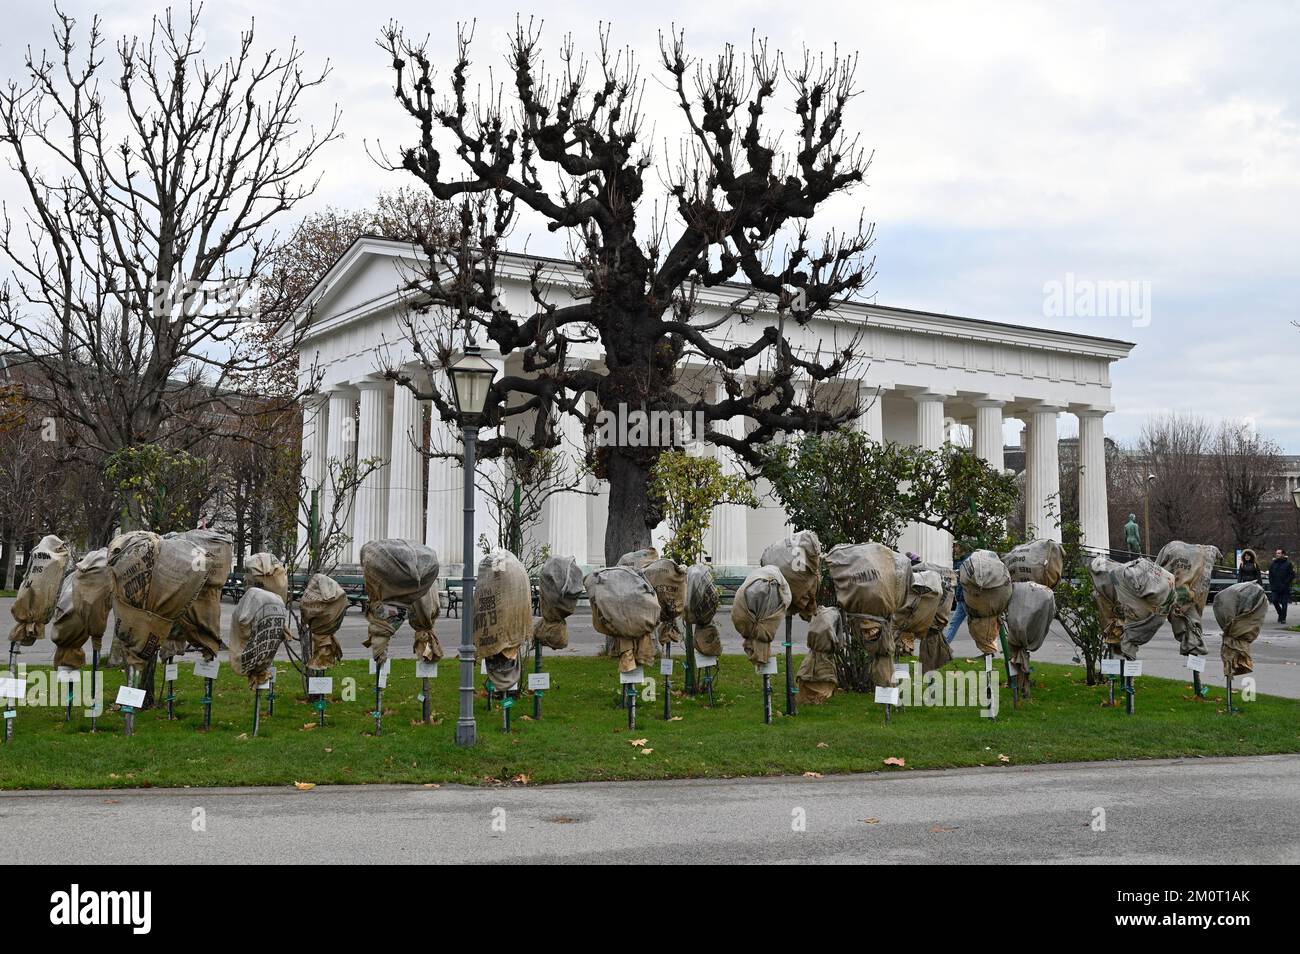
x: 82, y: 610
x: 1038, y: 561
x: 935, y: 653
x: 1240, y: 611
x: 503, y: 615
x: 986, y: 586
x: 424, y: 614
x: 257, y: 627
x: 1144, y: 595
x: 625, y: 607
x: 265, y: 572
x: 154, y: 583
x: 872, y: 582
x: 200, y: 624
x: 323, y: 603
x: 816, y: 678
x: 759, y: 608
x: 639, y: 559
x: 1102, y: 570
x: 799, y: 558
x: 702, y: 601
x: 1192, y: 565
x: 396, y: 574
x: 560, y: 586
x: 669, y: 580
x: 1029, y: 617
x: 39, y: 591
x: 913, y: 619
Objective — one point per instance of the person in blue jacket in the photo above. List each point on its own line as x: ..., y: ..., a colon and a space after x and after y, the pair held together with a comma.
x: 959, y: 555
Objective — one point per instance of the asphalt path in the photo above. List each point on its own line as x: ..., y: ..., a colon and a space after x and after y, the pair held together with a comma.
x: 1201, y: 811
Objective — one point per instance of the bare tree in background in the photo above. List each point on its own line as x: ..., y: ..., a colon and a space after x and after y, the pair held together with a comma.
x: 1247, y: 467
x: 1184, y: 506
x: 567, y: 145
x: 151, y: 188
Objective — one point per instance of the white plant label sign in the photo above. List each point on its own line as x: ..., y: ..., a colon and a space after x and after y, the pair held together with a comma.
x: 320, y: 685
x: 426, y: 670
x: 539, y: 680
x: 635, y: 677
x: 207, y: 669
x: 1196, y: 663
x: 887, y: 695
x: 126, y: 696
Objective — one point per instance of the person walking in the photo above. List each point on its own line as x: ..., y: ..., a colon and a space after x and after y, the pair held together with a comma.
x: 1280, y: 575
x: 1248, y: 570
x: 959, y: 555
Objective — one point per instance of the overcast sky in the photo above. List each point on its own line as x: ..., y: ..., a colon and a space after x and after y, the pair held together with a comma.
x: 1015, y: 145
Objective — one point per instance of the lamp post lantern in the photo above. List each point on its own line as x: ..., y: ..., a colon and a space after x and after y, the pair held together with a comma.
x: 471, y: 376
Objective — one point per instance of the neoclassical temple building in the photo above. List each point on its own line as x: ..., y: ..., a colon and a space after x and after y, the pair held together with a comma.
x: 923, y: 376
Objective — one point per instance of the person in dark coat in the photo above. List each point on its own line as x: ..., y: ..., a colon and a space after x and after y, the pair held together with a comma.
x: 1280, y: 575
x: 1248, y: 571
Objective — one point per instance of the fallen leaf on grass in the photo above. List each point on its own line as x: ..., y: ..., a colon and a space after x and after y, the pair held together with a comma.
x: 329, y: 750
x: 242, y: 735
x: 308, y: 726
x: 646, y: 751
x: 822, y: 745
x: 675, y: 719
x: 1003, y: 758
x: 304, y: 786
x: 812, y: 775
x: 639, y: 743
x: 893, y: 760
x: 520, y: 779
x: 432, y: 785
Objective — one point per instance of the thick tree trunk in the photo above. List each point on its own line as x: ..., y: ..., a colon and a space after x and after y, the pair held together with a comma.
x: 629, y: 506
x: 10, y: 551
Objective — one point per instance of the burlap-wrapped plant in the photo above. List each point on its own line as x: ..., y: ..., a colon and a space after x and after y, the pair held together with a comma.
x: 1029, y: 617
x: 323, y: 603
x: 396, y: 574
x: 264, y: 571
x: 1133, y: 600
x: 639, y: 559
x: 560, y: 587
x: 503, y: 615
x: 200, y: 624
x: 625, y: 608
x: 82, y: 610
x: 1038, y: 561
x: 759, y: 608
x: 669, y: 582
x: 258, y: 626
x: 39, y: 591
x: 154, y: 583
x: 799, y: 558
x: 872, y: 583
x: 1192, y: 565
x: 1240, y: 611
x: 424, y: 615
x: 986, y: 587
x: 702, y: 601
x: 817, y: 678
x: 913, y: 619
x: 935, y: 653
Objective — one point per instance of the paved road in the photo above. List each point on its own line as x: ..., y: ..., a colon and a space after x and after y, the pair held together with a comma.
x: 1277, y: 652
x: 1203, y: 811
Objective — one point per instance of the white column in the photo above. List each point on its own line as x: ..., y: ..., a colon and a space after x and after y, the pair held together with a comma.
x: 1043, y: 508
x: 936, y: 545
x: 1032, y: 516
x: 445, y: 518
x: 871, y: 397
x: 315, y: 451
x: 988, y: 432
x: 373, y: 432
x: 341, y: 444
x: 729, y: 531
x: 406, y: 473
x: 566, y: 511
x: 1094, y: 516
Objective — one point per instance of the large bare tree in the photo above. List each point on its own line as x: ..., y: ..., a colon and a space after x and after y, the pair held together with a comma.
x: 1247, y: 466
x: 568, y: 147
x: 153, y: 179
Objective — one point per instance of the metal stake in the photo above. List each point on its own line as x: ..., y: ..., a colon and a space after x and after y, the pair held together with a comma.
x: 668, y: 684
x: 631, y: 705
x: 1196, y: 683
x: 379, y: 700
x: 67, y: 715
x: 207, y: 702
x: 690, y: 659
x: 257, y: 709
x: 426, y: 708
x: 507, y: 703
x: 1128, y: 688
x: 13, y: 674
x: 789, y: 666
x: 767, y: 699
x: 171, y: 692
x: 129, y: 711
x: 537, y: 667
x: 1230, y: 709
x: 94, y: 684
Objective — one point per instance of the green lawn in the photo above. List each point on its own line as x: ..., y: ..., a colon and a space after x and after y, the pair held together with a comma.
x: 582, y: 736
